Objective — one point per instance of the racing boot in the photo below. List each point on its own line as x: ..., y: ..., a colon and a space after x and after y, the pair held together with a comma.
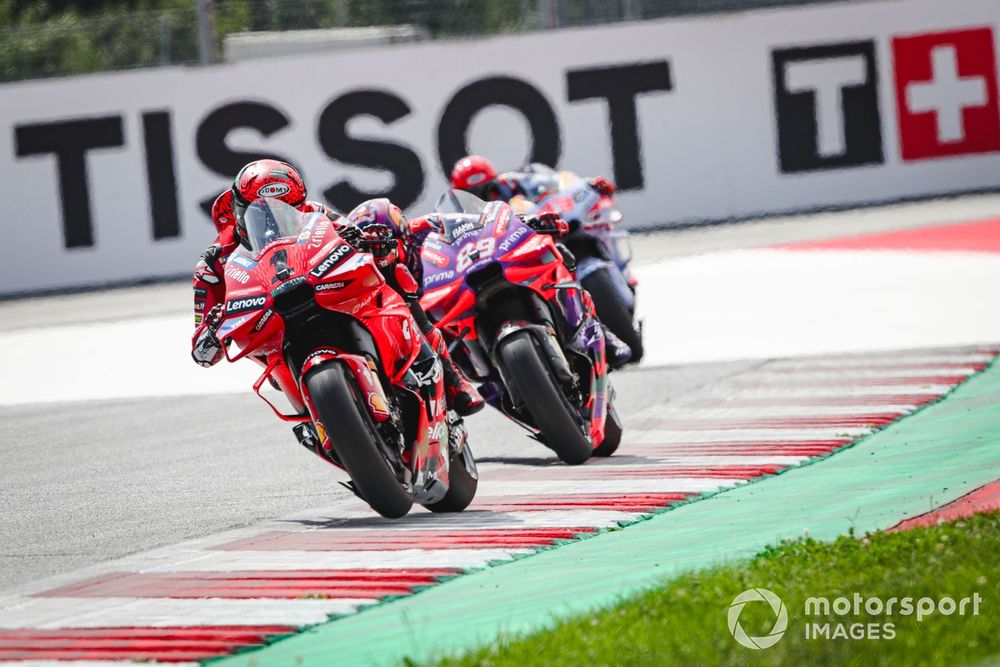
x: 617, y: 350
x: 461, y: 395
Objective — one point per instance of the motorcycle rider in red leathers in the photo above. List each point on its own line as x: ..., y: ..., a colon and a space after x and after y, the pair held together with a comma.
x: 476, y: 175
x: 272, y: 178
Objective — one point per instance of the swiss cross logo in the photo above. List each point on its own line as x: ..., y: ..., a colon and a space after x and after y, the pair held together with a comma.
x: 946, y: 94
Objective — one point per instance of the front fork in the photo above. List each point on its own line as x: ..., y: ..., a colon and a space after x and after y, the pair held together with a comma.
x: 587, y: 339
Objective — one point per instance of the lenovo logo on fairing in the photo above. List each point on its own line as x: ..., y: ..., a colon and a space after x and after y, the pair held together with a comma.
x: 336, y: 256
x: 245, y: 304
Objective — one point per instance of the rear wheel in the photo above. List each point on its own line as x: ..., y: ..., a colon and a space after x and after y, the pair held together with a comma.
x: 462, y: 484
x: 549, y: 408
x: 612, y: 434
x: 612, y: 311
x: 357, y: 444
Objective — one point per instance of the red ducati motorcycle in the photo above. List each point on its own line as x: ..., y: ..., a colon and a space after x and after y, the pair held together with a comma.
x: 366, y: 393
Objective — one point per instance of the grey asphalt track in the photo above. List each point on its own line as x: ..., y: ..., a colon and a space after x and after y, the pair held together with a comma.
x: 91, y: 481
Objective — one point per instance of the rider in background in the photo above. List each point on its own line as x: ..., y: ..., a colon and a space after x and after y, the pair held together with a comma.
x: 398, y: 240
x: 279, y: 180
x: 476, y: 174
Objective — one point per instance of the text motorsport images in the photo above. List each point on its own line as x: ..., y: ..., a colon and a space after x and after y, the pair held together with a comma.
x: 854, y: 606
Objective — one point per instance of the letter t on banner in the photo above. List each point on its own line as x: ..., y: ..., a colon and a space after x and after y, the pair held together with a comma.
x: 619, y: 85
x: 69, y: 141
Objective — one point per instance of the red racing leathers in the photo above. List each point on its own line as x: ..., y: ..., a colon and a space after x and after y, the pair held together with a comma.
x: 209, y: 273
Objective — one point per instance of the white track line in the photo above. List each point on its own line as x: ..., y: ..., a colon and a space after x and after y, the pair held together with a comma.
x: 776, y: 412
x: 665, y: 437
x: 45, y: 613
x: 780, y: 392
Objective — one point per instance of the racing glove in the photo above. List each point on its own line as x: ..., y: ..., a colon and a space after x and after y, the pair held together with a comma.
x: 603, y: 186
x: 206, y: 350
x: 207, y: 270
x: 352, y: 235
x: 378, y: 240
x: 548, y: 223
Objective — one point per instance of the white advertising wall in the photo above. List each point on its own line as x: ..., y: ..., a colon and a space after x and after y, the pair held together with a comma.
x: 105, y: 176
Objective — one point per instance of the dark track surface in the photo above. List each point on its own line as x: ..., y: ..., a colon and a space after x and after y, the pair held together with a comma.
x: 91, y: 481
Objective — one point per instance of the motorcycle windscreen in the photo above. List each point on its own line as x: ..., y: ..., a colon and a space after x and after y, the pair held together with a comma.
x: 460, y: 201
x: 268, y: 220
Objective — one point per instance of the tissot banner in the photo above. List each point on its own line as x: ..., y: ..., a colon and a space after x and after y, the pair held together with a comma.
x: 107, y: 177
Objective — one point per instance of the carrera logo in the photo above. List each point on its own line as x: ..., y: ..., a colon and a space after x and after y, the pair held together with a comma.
x: 273, y: 190
x: 340, y: 284
x: 264, y: 319
x: 236, y: 306
x: 336, y: 256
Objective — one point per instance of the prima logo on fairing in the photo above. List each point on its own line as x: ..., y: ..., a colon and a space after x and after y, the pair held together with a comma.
x: 243, y: 305
x: 273, y: 190
x: 442, y: 277
x: 336, y: 256
x: 514, y: 238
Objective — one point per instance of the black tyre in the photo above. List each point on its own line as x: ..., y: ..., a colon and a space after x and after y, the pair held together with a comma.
x: 355, y: 440
x: 612, y: 434
x: 462, y: 487
x: 550, y: 409
x: 612, y: 311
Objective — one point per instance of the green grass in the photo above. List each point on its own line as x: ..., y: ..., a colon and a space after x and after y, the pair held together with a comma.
x: 685, y: 621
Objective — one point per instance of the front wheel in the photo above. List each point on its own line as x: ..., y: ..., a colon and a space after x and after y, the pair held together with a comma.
x: 612, y: 310
x: 612, y: 434
x: 463, y: 482
x: 549, y: 408
x: 355, y: 440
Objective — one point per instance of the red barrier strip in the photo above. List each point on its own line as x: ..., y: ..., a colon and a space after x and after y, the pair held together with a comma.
x: 369, y: 584
x: 979, y: 237
x: 380, y: 540
x: 984, y: 499
x: 179, y: 644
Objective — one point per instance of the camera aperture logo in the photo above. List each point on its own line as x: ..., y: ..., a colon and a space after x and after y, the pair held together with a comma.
x: 868, y: 617
x: 780, y: 621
